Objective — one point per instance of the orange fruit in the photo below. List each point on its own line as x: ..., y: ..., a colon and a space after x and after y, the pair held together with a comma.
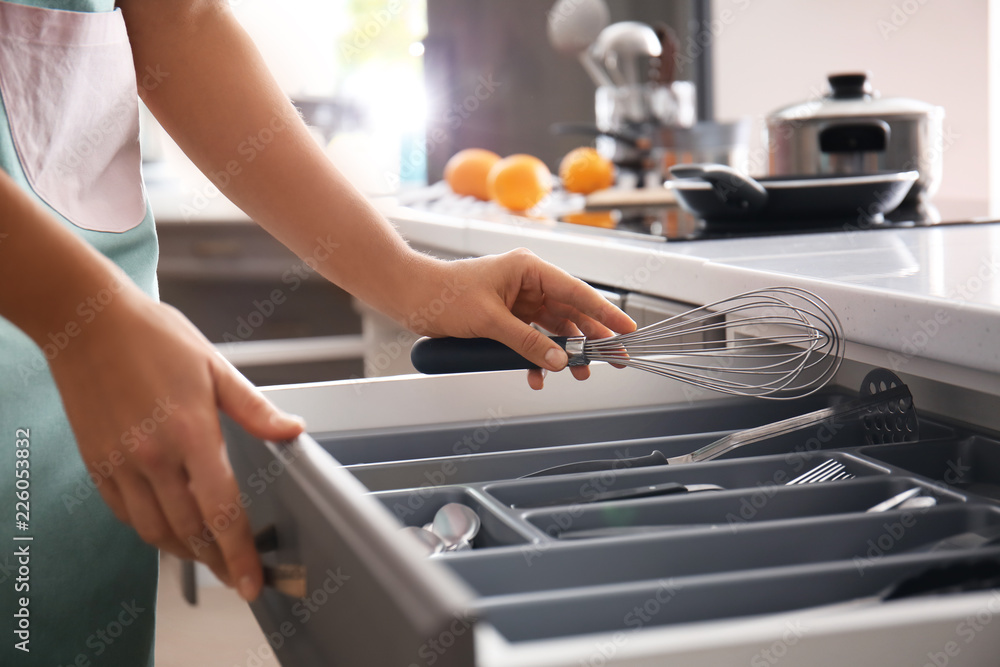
x: 584, y: 170
x: 519, y: 181
x: 467, y: 170
x: 606, y: 219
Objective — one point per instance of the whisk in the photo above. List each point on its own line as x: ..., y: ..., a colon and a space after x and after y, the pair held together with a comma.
x: 776, y: 343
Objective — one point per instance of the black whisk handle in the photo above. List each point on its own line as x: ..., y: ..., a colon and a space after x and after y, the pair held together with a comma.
x: 436, y: 356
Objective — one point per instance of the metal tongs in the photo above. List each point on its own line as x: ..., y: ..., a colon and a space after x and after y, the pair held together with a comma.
x: 885, y: 409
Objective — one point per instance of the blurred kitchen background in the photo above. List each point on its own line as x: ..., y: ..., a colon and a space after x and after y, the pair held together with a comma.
x: 393, y: 88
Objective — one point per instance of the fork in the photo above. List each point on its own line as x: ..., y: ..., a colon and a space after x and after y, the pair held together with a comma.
x: 829, y: 471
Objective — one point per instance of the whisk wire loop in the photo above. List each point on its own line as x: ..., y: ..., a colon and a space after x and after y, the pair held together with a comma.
x: 777, y: 343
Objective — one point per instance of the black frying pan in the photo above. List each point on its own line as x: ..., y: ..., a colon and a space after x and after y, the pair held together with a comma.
x: 717, y: 193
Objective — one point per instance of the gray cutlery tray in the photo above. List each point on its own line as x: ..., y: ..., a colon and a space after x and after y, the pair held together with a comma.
x: 756, y: 547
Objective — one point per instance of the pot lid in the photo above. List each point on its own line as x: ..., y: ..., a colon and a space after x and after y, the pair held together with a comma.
x: 851, y: 95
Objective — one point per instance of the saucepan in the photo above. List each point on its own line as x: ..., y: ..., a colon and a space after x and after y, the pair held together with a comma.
x: 853, y: 130
x: 718, y: 193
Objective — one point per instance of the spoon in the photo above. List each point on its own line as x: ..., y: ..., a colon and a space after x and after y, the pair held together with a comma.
x: 455, y: 523
x: 429, y: 543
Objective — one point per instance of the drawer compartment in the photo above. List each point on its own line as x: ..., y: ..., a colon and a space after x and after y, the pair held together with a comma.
x: 972, y: 464
x: 862, y: 540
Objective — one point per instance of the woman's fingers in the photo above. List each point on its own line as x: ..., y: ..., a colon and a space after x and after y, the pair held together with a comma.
x: 560, y: 327
x: 559, y: 286
x: 218, y: 498
x: 184, y: 516
x: 242, y: 401
x: 527, y: 341
x: 146, y: 515
x: 585, y: 324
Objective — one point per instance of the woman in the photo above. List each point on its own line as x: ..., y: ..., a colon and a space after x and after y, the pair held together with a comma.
x: 103, y: 387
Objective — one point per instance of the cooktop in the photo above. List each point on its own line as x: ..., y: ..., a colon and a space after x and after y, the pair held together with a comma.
x: 674, y: 224
x: 670, y: 223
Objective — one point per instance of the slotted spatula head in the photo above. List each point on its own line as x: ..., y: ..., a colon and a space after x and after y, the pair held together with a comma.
x: 892, y: 421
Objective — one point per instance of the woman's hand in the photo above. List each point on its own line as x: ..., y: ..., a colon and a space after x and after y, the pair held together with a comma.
x: 142, y: 387
x: 499, y: 296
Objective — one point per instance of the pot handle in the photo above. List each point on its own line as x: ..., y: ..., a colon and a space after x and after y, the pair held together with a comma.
x: 870, y: 136
x: 730, y: 186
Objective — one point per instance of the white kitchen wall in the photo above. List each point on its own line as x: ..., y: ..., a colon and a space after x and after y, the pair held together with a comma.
x: 770, y: 53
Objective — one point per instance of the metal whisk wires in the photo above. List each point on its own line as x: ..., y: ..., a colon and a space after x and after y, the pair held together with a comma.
x: 777, y: 343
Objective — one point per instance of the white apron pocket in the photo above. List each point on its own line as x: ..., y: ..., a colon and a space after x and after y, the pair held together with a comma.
x: 68, y: 86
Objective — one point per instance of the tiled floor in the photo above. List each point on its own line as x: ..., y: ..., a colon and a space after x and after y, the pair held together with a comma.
x: 219, y: 632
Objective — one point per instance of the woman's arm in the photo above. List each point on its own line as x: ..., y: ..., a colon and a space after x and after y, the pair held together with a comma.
x: 133, y: 360
x: 217, y: 100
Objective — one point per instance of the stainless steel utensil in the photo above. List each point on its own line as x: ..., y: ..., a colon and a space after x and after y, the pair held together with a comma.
x: 918, y: 503
x: 626, y: 49
x: 573, y: 26
x: 895, y: 501
x: 428, y: 542
x: 650, y: 491
x: 830, y: 470
x: 776, y: 343
x: 456, y: 523
x: 891, y: 398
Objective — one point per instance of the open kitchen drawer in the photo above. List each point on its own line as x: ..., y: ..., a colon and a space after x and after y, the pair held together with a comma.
x: 755, y: 573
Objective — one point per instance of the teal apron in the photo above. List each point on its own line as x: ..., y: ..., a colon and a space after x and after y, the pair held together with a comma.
x: 76, y: 586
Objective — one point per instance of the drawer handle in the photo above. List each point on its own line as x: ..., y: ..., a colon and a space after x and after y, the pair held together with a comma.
x: 286, y: 578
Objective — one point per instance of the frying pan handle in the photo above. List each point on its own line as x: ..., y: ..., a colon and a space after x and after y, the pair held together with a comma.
x: 436, y: 356
x: 730, y: 186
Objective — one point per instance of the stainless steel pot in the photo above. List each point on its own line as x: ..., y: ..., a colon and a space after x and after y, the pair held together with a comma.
x: 854, y: 131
